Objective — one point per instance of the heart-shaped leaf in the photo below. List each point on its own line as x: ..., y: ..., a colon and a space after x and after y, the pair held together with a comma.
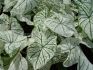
x: 61, y: 24
x: 42, y: 50
x: 12, y: 41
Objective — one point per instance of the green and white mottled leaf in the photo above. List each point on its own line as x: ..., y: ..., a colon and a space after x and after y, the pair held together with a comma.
x: 51, y: 4
x: 42, y: 50
x: 87, y: 25
x: 4, y: 22
x: 10, y: 23
x: 47, y: 66
x: 87, y: 42
x: 24, y: 19
x: 12, y: 41
x: 9, y: 4
x: 22, y: 7
x: 18, y: 63
x: 75, y: 54
x: 61, y: 24
x: 40, y: 18
x: 68, y: 45
x: 67, y: 1
x: 16, y: 27
x: 59, y: 57
x: 86, y: 16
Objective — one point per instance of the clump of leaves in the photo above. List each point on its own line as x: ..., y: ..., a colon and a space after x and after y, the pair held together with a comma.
x: 34, y: 34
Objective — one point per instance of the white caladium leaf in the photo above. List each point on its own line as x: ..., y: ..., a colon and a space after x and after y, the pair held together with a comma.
x: 12, y: 41
x: 18, y: 63
x: 87, y: 42
x: 4, y: 22
x: 67, y: 1
x: 9, y: 4
x: 51, y: 4
x: 10, y: 23
x: 23, y: 7
x: 16, y: 27
x: 61, y: 24
x: 86, y: 16
x: 68, y: 45
x: 47, y: 66
x: 40, y: 18
x: 42, y: 50
x: 59, y: 57
x: 75, y: 54
x: 87, y: 25
x: 24, y: 19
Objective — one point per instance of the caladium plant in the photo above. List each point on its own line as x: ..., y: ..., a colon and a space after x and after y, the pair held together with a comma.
x: 34, y: 34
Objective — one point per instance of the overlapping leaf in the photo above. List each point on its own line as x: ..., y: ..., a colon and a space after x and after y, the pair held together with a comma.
x: 9, y: 4
x: 75, y: 54
x: 40, y: 18
x: 23, y: 7
x: 61, y: 24
x: 12, y: 41
x: 16, y: 27
x: 10, y: 23
x: 42, y: 50
x: 18, y: 63
x: 4, y: 22
x: 86, y: 16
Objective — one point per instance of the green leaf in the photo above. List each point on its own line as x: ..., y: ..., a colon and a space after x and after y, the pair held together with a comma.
x: 1, y: 46
x: 42, y: 50
x: 13, y: 41
x: 61, y: 24
x: 18, y: 63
